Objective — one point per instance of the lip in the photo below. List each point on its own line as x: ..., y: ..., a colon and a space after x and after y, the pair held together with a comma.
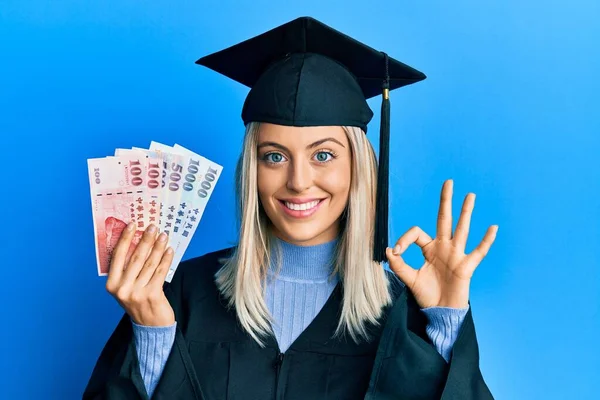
x: 300, y: 200
x: 300, y: 213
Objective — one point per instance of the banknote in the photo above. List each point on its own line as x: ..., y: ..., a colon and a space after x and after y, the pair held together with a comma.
x: 153, y: 182
x: 163, y: 181
x: 168, y: 186
x: 172, y: 190
x: 115, y: 196
x: 207, y: 174
x: 191, y: 205
x: 146, y: 173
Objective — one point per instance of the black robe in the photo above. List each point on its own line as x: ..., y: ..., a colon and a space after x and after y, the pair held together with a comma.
x: 214, y: 359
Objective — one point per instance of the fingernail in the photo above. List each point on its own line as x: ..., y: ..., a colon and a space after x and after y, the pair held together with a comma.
x: 169, y: 250
x: 396, y: 249
x: 151, y: 228
x: 130, y: 226
x: 162, y: 237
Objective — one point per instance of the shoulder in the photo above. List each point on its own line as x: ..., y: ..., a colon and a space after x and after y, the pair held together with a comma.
x: 198, y: 272
x: 206, y: 263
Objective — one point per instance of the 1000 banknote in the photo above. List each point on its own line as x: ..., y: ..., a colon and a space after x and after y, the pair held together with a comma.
x: 163, y: 185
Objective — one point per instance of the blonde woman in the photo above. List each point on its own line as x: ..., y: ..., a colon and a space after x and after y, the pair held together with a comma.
x: 301, y: 307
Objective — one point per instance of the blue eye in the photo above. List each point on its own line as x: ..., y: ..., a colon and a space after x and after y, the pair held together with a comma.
x: 277, y: 158
x: 273, y: 157
x: 322, y: 156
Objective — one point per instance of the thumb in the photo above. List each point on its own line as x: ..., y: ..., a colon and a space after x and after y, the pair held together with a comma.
x: 404, y: 271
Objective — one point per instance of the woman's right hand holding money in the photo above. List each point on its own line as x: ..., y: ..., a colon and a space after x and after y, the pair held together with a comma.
x: 137, y: 283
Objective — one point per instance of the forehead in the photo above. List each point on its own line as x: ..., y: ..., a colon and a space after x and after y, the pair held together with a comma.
x: 291, y: 136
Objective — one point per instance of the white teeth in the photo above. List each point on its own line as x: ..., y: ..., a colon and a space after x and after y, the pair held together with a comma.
x: 301, y: 207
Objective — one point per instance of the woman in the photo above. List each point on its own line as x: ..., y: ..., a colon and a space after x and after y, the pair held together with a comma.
x: 299, y: 309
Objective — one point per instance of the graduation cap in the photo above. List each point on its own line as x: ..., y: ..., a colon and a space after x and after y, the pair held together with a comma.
x: 305, y: 73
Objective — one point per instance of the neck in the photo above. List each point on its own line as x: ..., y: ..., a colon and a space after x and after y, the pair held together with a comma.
x: 305, y: 263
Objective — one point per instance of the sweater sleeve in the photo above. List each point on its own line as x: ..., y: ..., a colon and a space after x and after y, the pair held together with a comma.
x: 117, y: 374
x: 153, y: 345
x: 443, y: 326
x: 408, y: 365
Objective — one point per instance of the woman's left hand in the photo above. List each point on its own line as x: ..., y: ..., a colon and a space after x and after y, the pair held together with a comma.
x: 443, y: 281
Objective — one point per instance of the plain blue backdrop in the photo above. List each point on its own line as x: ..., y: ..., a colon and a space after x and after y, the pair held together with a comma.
x: 510, y: 111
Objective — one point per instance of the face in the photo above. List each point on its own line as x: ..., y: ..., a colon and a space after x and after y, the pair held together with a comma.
x: 304, y: 180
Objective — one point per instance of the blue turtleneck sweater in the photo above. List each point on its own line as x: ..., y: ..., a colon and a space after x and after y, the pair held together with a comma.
x: 294, y: 297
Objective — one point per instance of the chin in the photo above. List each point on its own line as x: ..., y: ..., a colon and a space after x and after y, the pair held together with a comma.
x: 300, y: 236
x: 304, y: 235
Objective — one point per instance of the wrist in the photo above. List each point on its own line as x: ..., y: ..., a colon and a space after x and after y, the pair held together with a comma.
x: 154, y: 324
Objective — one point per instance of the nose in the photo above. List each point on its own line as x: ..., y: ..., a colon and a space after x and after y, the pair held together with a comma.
x: 299, y: 175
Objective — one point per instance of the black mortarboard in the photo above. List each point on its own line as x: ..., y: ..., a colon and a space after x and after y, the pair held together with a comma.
x: 305, y: 73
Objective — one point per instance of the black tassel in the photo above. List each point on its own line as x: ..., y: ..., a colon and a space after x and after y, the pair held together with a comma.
x: 381, y: 207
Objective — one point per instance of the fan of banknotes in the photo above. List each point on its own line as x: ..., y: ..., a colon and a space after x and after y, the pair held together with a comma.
x: 168, y: 186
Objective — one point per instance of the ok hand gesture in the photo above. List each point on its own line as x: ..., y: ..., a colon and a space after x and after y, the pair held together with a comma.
x: 443, y: 280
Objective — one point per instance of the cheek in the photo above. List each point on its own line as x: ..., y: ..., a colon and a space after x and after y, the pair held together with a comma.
x: 337, y: 183
x: 267, y: 183
x: 262, y: 183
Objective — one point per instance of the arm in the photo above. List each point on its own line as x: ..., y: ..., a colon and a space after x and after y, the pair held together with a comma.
x: 117, y: 373
x: 443, y: 327
x: 407, y: 366
x: 153, y: 345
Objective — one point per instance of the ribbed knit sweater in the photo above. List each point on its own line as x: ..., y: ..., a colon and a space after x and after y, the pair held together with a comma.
x: 294, y: 296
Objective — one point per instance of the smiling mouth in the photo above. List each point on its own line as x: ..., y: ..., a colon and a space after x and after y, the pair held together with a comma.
x: 301, y: 207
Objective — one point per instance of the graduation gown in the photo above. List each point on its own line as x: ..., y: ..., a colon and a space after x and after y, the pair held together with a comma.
x: 212, y: 358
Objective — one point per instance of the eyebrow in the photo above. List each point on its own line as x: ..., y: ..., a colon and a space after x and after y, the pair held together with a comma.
x: 310, y: 146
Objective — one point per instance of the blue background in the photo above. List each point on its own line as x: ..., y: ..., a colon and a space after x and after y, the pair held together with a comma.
x: 510, y: 111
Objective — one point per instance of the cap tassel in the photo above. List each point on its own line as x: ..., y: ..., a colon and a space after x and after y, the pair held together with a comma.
x: 381, y: 206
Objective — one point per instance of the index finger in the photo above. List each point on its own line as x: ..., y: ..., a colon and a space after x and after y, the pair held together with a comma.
x: 413, y: 235
x: 120, y: 253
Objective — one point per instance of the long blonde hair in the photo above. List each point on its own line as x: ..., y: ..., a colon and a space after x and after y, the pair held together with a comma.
x: 366, y: 289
